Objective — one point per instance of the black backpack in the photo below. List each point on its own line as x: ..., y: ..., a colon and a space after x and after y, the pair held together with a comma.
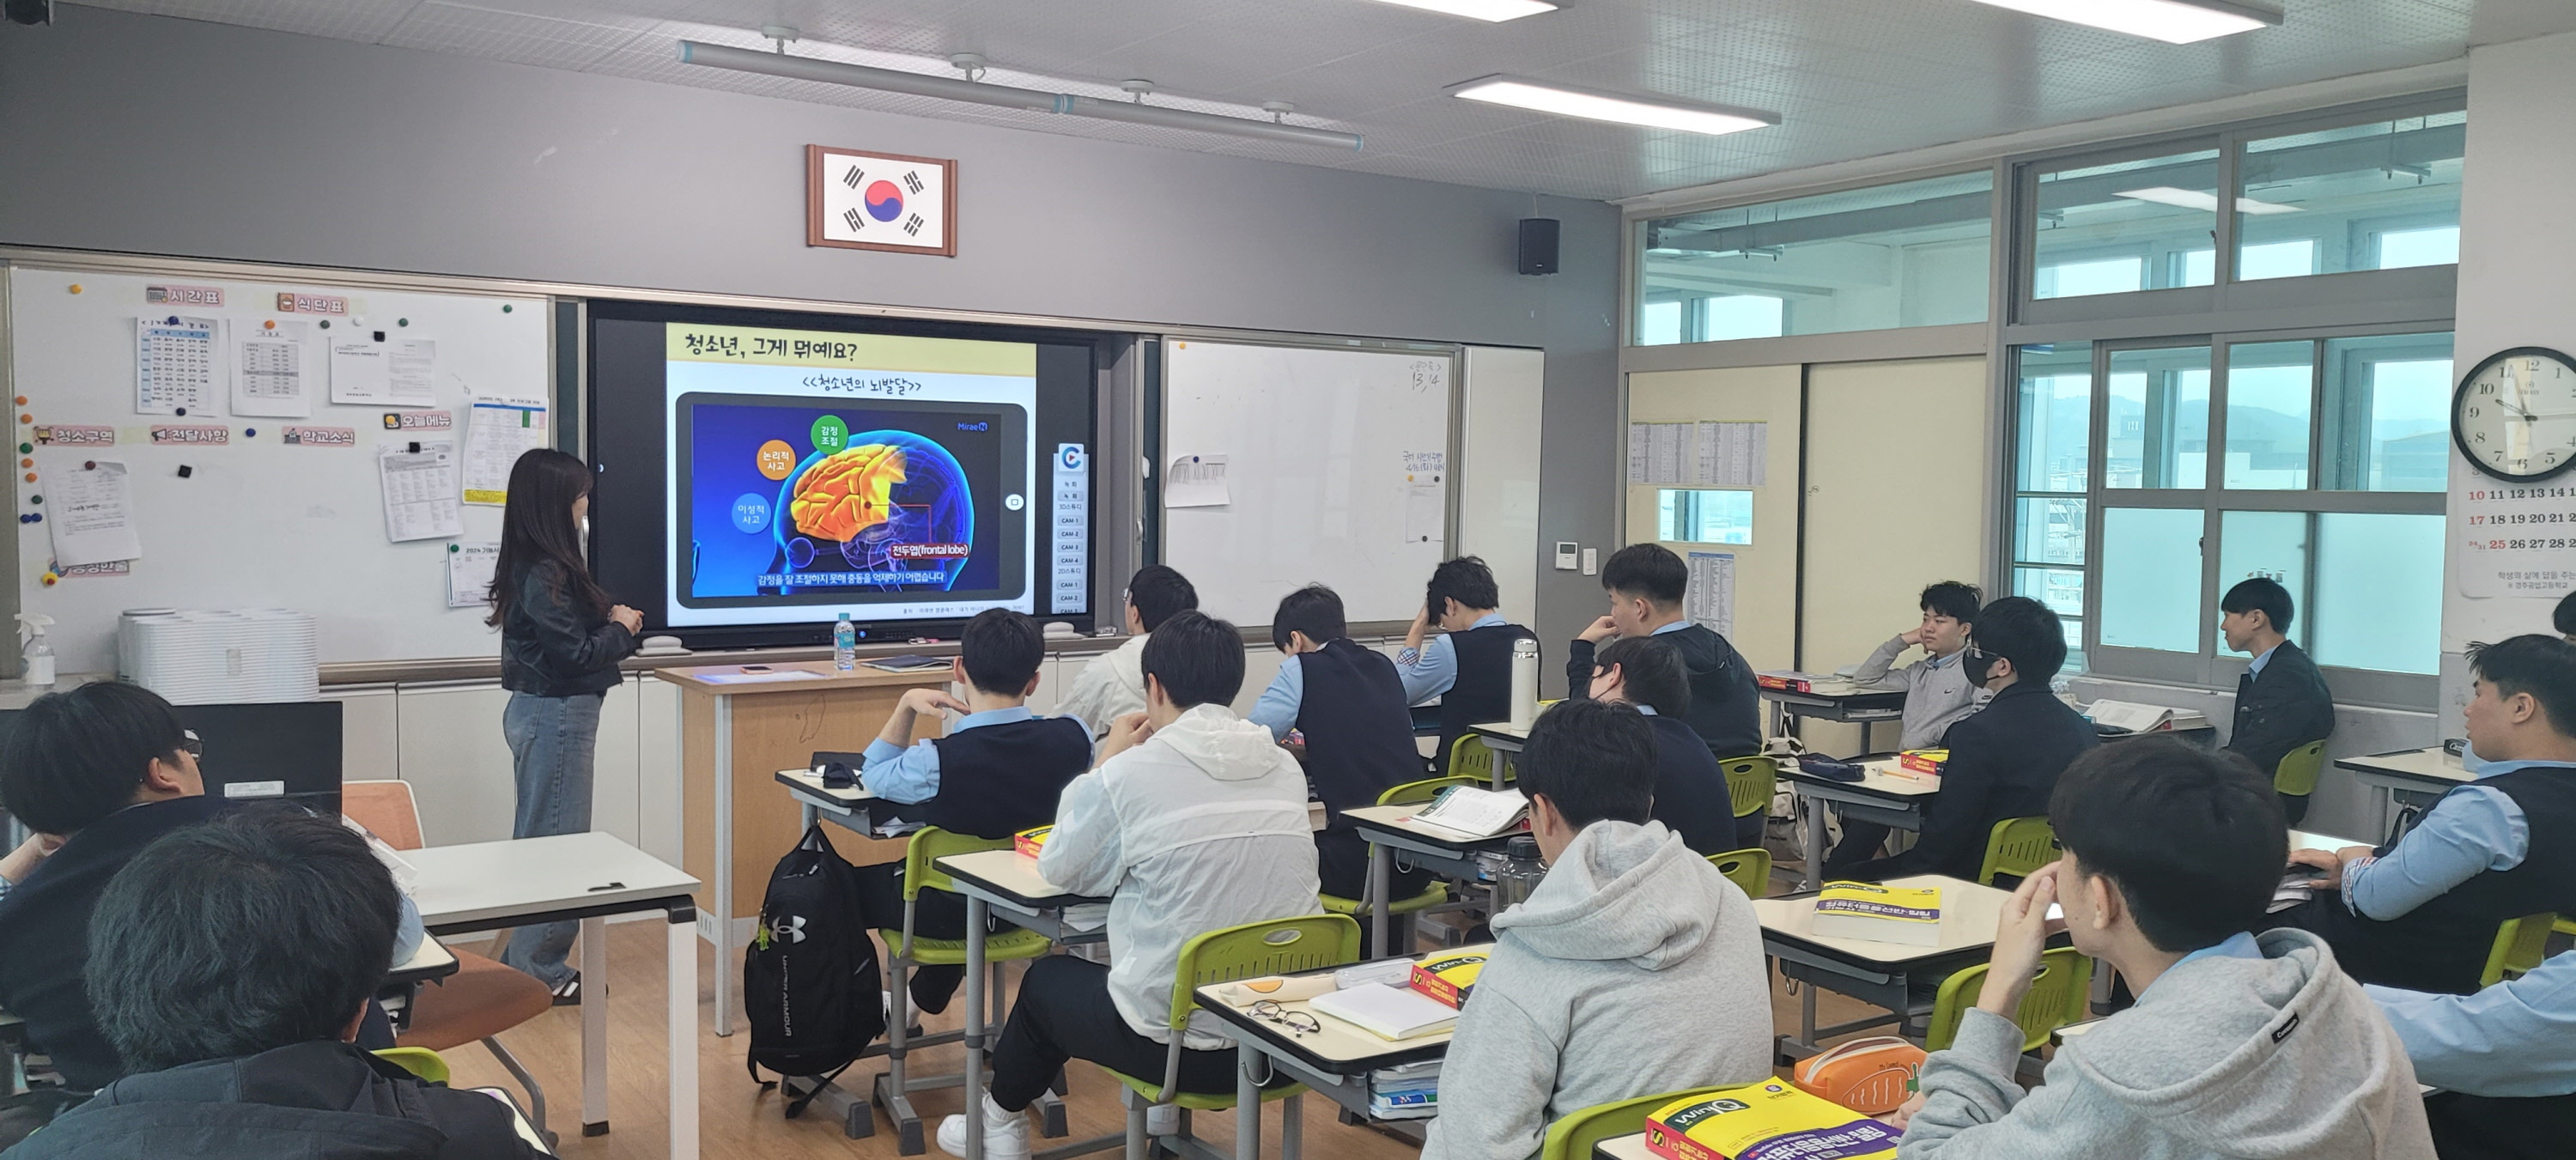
x: 810, y: 989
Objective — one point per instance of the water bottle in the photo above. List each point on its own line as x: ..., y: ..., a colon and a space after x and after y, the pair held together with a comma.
x: 1520, y: 872
x: 845, y: 644
x: 1524, y: 683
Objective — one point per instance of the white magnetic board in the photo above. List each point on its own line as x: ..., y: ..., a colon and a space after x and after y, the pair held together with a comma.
x: 1337, y: 471
x: 257, y: 522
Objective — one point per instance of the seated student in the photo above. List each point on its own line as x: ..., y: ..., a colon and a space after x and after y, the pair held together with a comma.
x: 232, y: 963
x: 104, y: 769
x: 1111, y: 686
x: 2422, y: 914
x: 1349, y: 704
x: 996, y: 773
x: 2239, y: 1045
x: 1938, y: 693
x: 1646, y: 583
x: 1470, y: 668
x: 1645, y: 673
x: 2281, y: 702
x: 1634, y: 967
x: 2004, y: 759
x: 1193, y: 821
x: 2505, y: 1059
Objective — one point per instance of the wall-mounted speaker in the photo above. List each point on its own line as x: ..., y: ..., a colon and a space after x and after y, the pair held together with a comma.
x: 1538, y: 246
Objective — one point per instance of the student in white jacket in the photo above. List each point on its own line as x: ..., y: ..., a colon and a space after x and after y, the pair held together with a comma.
x: 1193, y: 821
x: 1113, y: 684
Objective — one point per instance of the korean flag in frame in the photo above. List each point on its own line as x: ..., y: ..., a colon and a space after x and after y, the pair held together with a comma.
x: 880, y: 201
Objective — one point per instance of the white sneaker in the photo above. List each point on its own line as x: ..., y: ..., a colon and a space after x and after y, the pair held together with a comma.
x: 1006, y: 1134
x: 1163, y: 1120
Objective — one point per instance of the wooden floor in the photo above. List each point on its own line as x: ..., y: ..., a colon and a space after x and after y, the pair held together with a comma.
x: 740, y: 1122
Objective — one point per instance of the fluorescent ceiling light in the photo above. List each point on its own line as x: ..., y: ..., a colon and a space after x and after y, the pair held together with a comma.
x: 2206, y: 202
x: 1596, y: 105
x: 2171, y: 21
x: 1497, y: 11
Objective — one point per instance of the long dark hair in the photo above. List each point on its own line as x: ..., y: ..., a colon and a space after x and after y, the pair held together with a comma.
x: 537, y: 528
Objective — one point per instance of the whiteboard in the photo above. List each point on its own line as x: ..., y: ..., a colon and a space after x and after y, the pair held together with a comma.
x: 1337, y: 472
x: 257, y: 522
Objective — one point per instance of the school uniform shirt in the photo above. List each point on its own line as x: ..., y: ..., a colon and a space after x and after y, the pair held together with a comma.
x: 1349, y: 703
x: 2281, y: 704
x: 1690, y: 787
x: 2004, y: 763
x: 1725, y: 708
x: 1201, y: 827
x: 1011, y: 765
x: 1110, y: 687
x: 1938, y: 693
x: 1470, y: 671
x: 2422, y: 914
x: 2505, y: 1058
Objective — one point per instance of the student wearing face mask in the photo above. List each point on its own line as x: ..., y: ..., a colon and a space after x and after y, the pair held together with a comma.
x: 561, y: 639
x: 2004, y: 760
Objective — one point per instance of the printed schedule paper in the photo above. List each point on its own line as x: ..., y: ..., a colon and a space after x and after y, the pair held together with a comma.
x: 469, y: 573
x: 268, y: 371
x: 419, y: 491
x: 497, y: 432
x: 175, y: 365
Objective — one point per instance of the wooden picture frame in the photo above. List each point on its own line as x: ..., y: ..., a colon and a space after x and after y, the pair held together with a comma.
x: 815, y: 156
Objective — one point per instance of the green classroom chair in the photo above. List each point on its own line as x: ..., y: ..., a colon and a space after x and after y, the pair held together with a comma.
x: 1277, y: 947
x: 906, y: 951
x: 2062, y: 994
x: 1470, y: 757
x: 2296, y: 776
x: 1750, y: 784
x: 2017, y: 846
x: 1411, y: 793
x: 1750, y: 869
x: 2520, y: 945
x: 1573, y: 1136
x: 425, y: 1065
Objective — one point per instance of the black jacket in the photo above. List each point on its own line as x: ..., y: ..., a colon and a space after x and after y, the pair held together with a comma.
x: 44, y: 935
x: 2004, y: 762
x: 1725, y: 709
x: 2285, y: 706
x: 552, y: 647
x: 1690, y: 789
x: 309, y: 1101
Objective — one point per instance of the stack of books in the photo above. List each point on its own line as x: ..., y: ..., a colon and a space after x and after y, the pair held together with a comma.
x: 1405, y: 1092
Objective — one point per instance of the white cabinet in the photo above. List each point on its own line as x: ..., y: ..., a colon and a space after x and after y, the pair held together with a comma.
x: 452, y: 753
x: 657, y: 767
x: 368, y: 732
x: 614, y: 790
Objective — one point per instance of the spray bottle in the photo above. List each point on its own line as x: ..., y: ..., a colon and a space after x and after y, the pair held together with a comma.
x: 39, y: 656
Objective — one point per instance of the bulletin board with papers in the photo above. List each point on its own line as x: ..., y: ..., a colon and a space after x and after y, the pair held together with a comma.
x: 203, y: 442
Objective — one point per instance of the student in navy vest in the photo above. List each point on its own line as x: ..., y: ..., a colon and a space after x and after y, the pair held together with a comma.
x: 1646, y: 673
x: 996, y: 773
x: 1646, y: 584
x: 2422, y: 914
x: 1346, y: 703
x: 1470, y: 668
x: 2281, y: 702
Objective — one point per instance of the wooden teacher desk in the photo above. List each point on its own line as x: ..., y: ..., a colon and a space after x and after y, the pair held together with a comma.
x: 740, y: 725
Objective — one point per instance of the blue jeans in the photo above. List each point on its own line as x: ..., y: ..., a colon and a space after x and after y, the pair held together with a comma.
x: 552, y: 744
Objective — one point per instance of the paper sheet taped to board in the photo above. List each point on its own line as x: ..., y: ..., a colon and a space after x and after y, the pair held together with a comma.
x: 92, y: 509
x: 1702, y: 454
x: 1711, y: 601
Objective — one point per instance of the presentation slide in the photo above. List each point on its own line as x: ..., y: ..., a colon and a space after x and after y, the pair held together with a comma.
x: 816, y: 473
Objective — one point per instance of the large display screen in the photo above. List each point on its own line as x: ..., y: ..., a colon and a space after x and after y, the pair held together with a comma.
x: 804, y: 473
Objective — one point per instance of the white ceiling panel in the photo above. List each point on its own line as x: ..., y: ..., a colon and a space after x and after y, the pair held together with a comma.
x: 1850, y: 78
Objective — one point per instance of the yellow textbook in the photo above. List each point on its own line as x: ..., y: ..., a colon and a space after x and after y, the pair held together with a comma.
x: 1449, y: 978
x: 1765, y: 1121
x: 1879, y: 913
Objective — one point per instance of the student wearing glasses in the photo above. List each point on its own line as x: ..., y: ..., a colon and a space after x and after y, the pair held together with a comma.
x: 98, y: 772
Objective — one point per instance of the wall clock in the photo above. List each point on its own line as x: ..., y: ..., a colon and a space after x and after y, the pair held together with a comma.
x: 2514, y: 416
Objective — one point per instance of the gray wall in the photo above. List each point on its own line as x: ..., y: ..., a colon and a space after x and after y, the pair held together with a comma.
x: 158, y: 135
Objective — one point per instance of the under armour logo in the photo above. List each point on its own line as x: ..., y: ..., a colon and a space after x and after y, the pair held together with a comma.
x: 790, y: 928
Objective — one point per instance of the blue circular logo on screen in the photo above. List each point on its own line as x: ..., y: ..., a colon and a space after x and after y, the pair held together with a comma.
x: 1071, y: 457
x: 751, y: 513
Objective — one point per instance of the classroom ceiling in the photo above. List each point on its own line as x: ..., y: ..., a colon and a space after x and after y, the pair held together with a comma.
x: 1849, y: 78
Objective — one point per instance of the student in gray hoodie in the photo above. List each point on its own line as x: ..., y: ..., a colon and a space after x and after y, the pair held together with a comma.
x: 2240, y: 1046
x: 1634, y: 967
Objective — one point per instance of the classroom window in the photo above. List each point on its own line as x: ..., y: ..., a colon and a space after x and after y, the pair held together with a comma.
x: 2157, y: 420
x: 2151, y: 578
x: 2377, y: 596
x: 2269, y: 385
x: 1705, y: 517
x: 1913, y: 253
x: 2121, y: 226
x: 2273, y: 545
x: 2380, y: 195
x: 2387, y: 411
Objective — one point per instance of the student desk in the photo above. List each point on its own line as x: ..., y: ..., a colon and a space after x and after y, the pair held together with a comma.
x: 849, y: 808
x: 1878, y: 796
x: 1628, y: 1147
x: 429, y: 962
x: 2407, y: 773
x: 587, y: 877
x: 1505, y: 741
x: 1008, y: 882
x: 1335, y: 1061
x: 736, y: 727
x: 1862, y: 705
x: 1392, y: 828
x: 1878, y: 973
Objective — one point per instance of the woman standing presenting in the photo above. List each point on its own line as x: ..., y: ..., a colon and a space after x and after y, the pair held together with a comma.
x: 561, y: 639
